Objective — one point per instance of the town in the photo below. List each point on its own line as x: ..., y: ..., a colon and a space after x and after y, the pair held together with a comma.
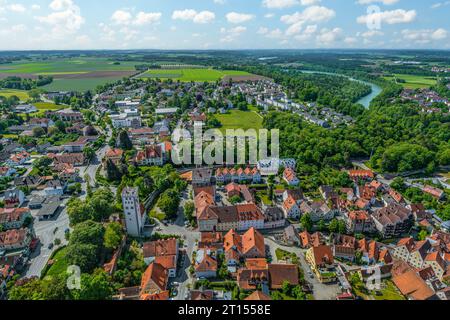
x: 91, y: 184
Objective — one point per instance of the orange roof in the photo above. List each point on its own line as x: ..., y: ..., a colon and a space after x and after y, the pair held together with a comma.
x: 361, y: 174
x: 187, y: 176
x: 252, y: 239
x: 165, y: 295
x: 323, y: 254
x: 410, y: 284
x: 154, y: 279
x: 289, y: 203
x: 256, y: 263
x: 258, y: 295
x: 358, y: 215
x: 114, y: 153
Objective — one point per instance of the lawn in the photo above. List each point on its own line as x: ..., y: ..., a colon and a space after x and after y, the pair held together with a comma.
x: 389, y: 292
x: 60, y: 263
x: 47, y: 106
x: 187, y: 75
x: 237, y: 119
x: 264, y: 198
x: 81, y: 84
x: 21, y: 94
x: 414, y: 82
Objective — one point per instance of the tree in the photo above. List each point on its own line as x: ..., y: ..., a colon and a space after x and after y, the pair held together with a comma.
x: 112, y: 172
x: 169, y: 202
x: 97, y: 286
x: 306, y: 222
x: 334, y: 226
x: 79, y: 211
x: 423, y: 234
x: 82, y: 255
x: 113, y: 235
x: 235, y: 200
x: 102, y: 203
x: 38, y: 132
x: 189, y: 209
x: 88, y: 232
x: 124, y: 141
x: 89, y: 153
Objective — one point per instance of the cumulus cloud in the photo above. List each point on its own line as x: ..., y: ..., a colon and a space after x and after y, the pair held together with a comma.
x: 327, y: 36
x: 232, y: 34
x: 64, y: 19
x: 124, y: 17
x: 424, y: 36
x: 197, y: 17
x: 389, y: 17
x: 313, y: 14
x: 16, y: 7
x: 235, y: 17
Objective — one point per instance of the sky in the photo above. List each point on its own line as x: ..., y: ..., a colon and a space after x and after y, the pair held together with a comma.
x: 224, y: 24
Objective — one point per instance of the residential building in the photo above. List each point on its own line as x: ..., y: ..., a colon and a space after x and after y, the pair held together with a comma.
x: 15, y: 239
x: 151, y: 156
x: 14, y: 218
x: 321, y: 261
x: 359, y: 222
x: 13, y: 198
x: 393, y: 220
x: 163, y: 252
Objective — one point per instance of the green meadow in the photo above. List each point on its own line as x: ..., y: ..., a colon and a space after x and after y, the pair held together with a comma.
x: 187, y: 75
x: 237, y: 119
x: 21, y: 94
x: 412, y: 81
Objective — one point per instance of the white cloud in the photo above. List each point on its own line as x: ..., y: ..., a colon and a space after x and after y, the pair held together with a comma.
x: 65, y: 18
x: 197, y: 17
x: 280, y: 4
x: 16, y: 7
x: 327, y: 37
x: 121, y: 17
x: 385, y: 2
x: 424, y: 36
x: 220, y: 1
x: 314, y: 14
x: 371, y: 33
x: 389, y: 17
x: 235, y: 17
x: 35, y: 7
x: 143, y: 18
x: 269, y: 15
x: 440, y: 4
x: 232, y: 34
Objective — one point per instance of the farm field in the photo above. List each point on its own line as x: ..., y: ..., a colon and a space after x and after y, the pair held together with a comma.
x: 237, y: 119
x: 413, y: 82
x: 77, y: 74
x: 197, y: 75
x: 22, y: 95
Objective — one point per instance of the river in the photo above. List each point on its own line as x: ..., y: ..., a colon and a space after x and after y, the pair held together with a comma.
x: 365, y: 101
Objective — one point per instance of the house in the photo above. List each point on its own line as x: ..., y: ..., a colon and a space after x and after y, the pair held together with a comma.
x: 154, y: 280
x: 359, y: 222
x: 357, y: 175
x: 344, y: 247
x: 321, y: 261
x: 434, y: 192
x: 249, y: 245
x: 291, y: 208
x: 413, y: 286
x: 308, y: 240
x: 7, y: 172
x: 54, y: 187
x: 258, y: 296
x: 74, y: 159
x: 163, y: 252
x: 437, y: 263
x: 274, y: 218
x: 290, y: 177
x: 114, y: 155
x: 291, y: 236
x: 392, y: 220
x: 151, y: 156
x: 48, y: 207
x: 14, y: 218
x: 281, y: 273
x: 15, y: 239
x: 205, y: 265
x: 13, y: 198
x: 25, y: 108
x: 18, y: 159
x: 254, y: 275
x: 201, y: 177
x: 372, y: 253
x: 318, y: 210
x: 212, y: 241
x: 31, y: 182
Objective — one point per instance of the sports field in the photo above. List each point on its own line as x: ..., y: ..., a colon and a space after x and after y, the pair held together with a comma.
x: 412, y: 81
x: 21, y: 94
x: 72, y: 74
x: 237, y: 119
x: 187, y: 75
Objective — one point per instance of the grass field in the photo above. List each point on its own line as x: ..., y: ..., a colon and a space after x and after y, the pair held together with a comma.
x: 187, y: 75
x: 72, y: 74
x: 237, y: 119
x: 22, y: 95
x: 60, y: 263
x: 413, y: 82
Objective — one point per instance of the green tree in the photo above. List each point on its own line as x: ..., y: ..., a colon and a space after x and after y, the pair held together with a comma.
x: 113, y: 235
x: 97, y: 286
x: 82, y: 255
x: 306, y: 222
x: 124, y: 140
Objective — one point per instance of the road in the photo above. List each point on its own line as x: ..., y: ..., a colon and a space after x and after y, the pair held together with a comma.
x: 47, y: 231
x: 321, y: 291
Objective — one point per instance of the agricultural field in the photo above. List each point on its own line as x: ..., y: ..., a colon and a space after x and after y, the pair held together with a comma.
x: 237, y: 119
x: 412, y: 81
x: 196, y: 75
x: 77, y: 74
x: 22, y: 95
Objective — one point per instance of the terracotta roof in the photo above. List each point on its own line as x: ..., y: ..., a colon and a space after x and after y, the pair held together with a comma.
x: 256, y: 263
x: 202, y: 295
x: 279, y: 273
x: 410, y: 284
x: 252, y: 239
x: 165, y: 295
x: 361, y: 174
x: 258, y: 296
x: 358, y: 215
x: 113, y: 153
x: 159, y: 248
x: 207, y: 264
x: 154, y: 279
x: 323, y: 254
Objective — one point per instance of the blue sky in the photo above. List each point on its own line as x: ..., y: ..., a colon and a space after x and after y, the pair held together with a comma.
x: 223, y: 24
